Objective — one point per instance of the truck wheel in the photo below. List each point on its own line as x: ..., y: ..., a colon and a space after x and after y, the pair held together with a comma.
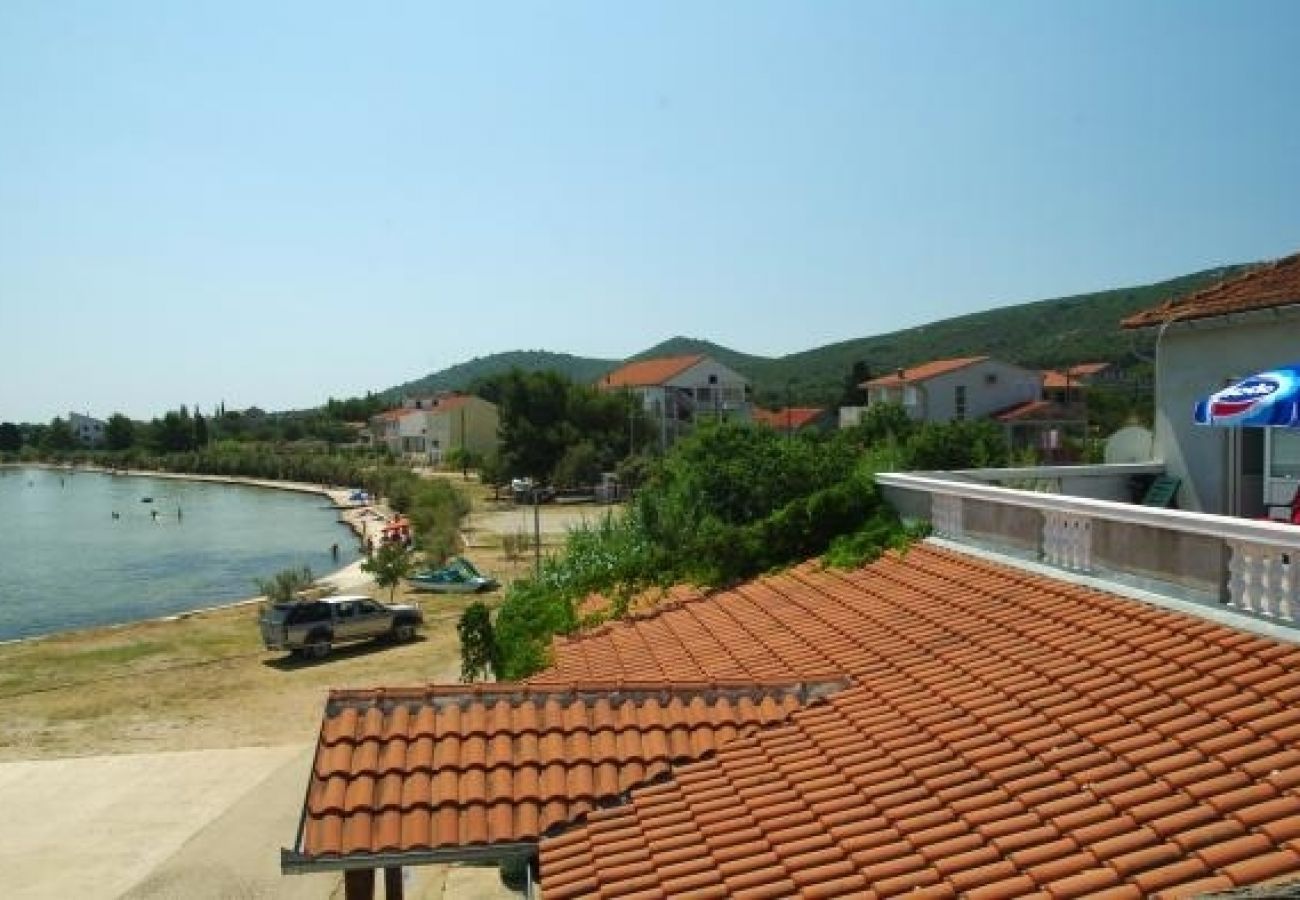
x: 403, y: 631
x: 318, y: 646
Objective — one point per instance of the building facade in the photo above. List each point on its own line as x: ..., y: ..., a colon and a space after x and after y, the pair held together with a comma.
x: 1204, y: 342
x: 89, y: 431
x: 950, y: 390
x: 678, y: 392
x: 431, y: 428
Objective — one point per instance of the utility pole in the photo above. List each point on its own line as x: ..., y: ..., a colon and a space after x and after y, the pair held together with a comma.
x: 537, y: 529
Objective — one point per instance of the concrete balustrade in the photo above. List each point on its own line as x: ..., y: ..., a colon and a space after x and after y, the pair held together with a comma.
x: 1248, y: 565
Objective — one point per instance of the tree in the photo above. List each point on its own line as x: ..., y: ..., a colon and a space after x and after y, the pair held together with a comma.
x: 852, y: 393
x: 283, y: 586
x: 119, y: 433
x: 59, y: 438
x: 579, y: 466
x: 389, y: 564
x: 11, y: 438
x: 174, y: 433
x: 543, y: 414
x: 200, y: 430
x: 480, y: 657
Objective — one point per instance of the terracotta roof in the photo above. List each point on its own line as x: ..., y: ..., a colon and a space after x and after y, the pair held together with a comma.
x: 1007, y: 734
x: 650, y: 372
x: 449, y: 767
x: 1073, y: 377
x: 923, y: 372
x: 1276, y: 284
x: 1041, y: 411
x: 794, y: 417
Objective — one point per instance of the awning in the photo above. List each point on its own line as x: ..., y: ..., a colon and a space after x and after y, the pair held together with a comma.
x: 1269, y: 399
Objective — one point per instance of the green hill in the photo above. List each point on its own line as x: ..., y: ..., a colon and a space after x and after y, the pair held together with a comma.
x: 1042, y: 334
x: 462, y: 375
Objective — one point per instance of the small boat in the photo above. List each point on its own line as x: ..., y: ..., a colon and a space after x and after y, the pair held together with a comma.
x: 457, y: 577
x: 146, y: 499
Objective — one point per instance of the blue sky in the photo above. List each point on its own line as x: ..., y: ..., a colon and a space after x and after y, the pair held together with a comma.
x: 275, y: 203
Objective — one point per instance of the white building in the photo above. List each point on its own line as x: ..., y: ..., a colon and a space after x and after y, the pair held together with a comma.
x: 432, y: 427
x: 87, y: 430
x: 948, y: 390
x: 1205, y: 341
x: 678, y: 391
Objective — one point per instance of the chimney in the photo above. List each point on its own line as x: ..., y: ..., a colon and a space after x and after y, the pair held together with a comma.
x: 901, y: 374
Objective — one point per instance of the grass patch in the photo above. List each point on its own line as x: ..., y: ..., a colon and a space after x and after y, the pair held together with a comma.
x: 116, y: 656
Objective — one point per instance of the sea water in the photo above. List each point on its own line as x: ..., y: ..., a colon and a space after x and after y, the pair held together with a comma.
x: 67, y: 562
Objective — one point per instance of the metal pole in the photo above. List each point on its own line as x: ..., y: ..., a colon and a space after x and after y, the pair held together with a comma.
x: 537, y: 530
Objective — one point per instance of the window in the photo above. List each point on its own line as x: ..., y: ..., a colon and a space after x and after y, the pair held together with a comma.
x: 991, y: 378
x: 713, y: 379
x: 959, y: 402
x: 1284, y: 453
x: 911, y: 396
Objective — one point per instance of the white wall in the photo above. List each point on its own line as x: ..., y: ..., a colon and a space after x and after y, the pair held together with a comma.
x: 1195, y: 359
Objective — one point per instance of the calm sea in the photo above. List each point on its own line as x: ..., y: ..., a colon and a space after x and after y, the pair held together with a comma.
x: 66, y: 563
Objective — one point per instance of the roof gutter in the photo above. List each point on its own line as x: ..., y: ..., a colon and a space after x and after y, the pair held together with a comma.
x: 293, y: 862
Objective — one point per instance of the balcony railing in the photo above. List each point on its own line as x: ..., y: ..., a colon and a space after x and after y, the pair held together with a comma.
x: 1248, y: 565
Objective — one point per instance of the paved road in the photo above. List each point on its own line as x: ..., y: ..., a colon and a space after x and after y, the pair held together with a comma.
x: 95, y: 826
x: 194, y: 825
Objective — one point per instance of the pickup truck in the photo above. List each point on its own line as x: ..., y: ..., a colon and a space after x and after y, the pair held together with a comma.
x: 312, y: 627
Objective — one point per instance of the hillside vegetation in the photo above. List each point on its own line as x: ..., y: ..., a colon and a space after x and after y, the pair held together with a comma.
x: 1042, y: 334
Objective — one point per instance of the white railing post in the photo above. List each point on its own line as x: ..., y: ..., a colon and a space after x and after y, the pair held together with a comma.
x: 1263, y: 579
x: 1067, y: 540
x: 946, y: 515
x: 1263, y: 572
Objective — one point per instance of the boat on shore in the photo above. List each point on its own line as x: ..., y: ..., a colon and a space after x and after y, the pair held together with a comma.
x: 460, y: 576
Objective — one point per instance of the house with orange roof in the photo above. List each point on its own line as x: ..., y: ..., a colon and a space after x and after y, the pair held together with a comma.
x: 678, y: 391
x: 948, y: 390
x: 429, y: 428
x: 1071, y: 384
x: 936, y: 723
x: 1204, y: 341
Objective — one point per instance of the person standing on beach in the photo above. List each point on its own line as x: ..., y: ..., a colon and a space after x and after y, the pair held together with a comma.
x: 334, y: 552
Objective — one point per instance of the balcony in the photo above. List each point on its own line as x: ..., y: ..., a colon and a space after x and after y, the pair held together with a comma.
x: 1076, y: 519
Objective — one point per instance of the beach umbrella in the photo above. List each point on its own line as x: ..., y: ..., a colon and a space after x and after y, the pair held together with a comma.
x: 1268, y: 399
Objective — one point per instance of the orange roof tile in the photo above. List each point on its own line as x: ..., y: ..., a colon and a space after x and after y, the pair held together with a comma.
x: 650, y: 372
x: 1006, y: 734
x: 400, y: 770
x: 794, y: 417
x: 1073, y: 377
x: 923, y: 372
x: 994, y: 732
x: 1040, y: 411
x: 1269, y: 286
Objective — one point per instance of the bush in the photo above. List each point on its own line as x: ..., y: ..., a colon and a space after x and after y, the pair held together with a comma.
x: 480, y: 657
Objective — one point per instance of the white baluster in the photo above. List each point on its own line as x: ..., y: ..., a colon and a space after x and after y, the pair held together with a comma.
x: 1067, y: 540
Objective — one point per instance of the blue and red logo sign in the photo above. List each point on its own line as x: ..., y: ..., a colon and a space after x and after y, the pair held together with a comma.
x: 1243, y: 397
x: 1269, y: 398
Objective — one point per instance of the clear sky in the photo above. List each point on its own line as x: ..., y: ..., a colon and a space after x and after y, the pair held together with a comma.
x: 273, y: 203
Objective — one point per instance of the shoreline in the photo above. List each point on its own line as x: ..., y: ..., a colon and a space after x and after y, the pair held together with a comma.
x: 356, y: 516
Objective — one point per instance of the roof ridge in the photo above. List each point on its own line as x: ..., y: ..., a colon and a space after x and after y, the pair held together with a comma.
x: 578, y: 689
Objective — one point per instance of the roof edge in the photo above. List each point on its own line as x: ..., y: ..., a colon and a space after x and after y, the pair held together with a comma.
x: 293, y: 862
